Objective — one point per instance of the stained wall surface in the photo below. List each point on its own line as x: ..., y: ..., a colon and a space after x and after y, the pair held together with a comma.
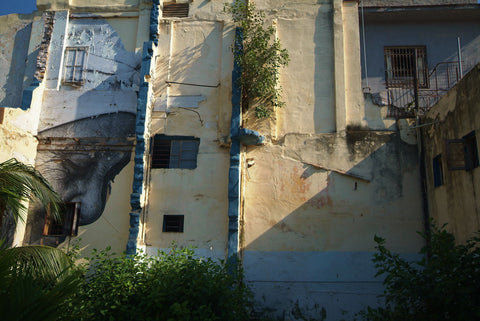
x: 86, y: 129
x: 330, y: 176
x: 192, y: 90
x: 455, y: 200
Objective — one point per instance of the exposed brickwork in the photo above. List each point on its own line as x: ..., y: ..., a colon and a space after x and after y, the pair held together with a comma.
x: 43, y: 50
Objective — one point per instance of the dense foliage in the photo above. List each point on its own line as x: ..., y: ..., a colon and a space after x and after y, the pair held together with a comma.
x: 443, y: 285
x: 260, y: 59
x: 171, y: 286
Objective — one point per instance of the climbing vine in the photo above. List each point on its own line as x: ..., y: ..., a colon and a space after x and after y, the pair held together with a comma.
x: 260, y: 60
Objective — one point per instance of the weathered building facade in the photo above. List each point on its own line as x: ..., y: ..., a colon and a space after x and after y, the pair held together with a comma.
x: 130, y: 109
x: 450, y: 138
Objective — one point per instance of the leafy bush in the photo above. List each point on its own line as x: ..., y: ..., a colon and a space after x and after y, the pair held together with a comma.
x: 443, y: 285
x: 171, y: 286
x: 260, y: 59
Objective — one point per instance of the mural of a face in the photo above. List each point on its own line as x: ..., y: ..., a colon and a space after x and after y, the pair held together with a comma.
x: 80, y: 160
x: 84, y: 177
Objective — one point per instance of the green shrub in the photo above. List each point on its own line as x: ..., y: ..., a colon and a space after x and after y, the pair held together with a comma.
x: 171, y: 286
x: 443, y: 285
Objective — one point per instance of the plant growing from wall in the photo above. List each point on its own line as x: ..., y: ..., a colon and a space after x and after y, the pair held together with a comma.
x: 260, y: 60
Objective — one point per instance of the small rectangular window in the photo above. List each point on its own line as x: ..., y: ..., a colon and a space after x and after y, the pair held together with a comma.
x: 173, y: 223
x: 67, y: 226
x: 175, y: 10
x: 402, y: 63
x: 437, y: 171
x: 75, y: 62
x: 174, y: 152
x: 462, y: 154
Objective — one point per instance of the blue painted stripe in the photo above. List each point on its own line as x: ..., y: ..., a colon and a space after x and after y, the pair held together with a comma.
x: 234, y: 170
x: 141, y: 147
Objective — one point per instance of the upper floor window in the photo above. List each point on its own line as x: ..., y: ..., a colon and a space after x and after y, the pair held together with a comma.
x: 75, y: 62
x: 175, y: 10
x: 174, y: 151
x: 403, y: 63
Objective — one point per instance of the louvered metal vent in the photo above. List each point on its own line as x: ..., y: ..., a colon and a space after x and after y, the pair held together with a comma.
x: 176, y: 10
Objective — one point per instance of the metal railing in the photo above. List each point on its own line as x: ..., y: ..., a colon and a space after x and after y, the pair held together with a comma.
x: 407, y: 98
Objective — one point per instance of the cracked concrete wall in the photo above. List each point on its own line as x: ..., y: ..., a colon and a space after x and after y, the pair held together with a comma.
x: 331, y: 175
x: 194, y: 60
x: 456, y: 201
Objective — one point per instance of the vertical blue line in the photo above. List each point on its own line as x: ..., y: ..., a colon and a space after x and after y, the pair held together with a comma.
x: 140, y: 147
x: 234, y: 170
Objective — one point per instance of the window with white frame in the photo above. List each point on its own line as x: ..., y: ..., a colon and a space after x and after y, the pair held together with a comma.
x: 75, y: 62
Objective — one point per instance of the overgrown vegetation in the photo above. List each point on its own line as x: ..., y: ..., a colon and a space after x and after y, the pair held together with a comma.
x: 173, y: 286
x: 443, y: 285
x: 260, y: 59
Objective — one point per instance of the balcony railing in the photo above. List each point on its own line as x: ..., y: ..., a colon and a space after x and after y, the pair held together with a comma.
x: 407, y: 98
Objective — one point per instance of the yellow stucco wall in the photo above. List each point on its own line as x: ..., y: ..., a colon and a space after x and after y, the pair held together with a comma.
x: 192, y: 52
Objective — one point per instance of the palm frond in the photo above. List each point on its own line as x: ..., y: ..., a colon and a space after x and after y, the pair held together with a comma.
x: 34, y: 281
x: 20, y: 183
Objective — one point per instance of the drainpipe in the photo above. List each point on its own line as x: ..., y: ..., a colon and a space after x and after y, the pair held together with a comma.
x: 421, y: 160
x: 234, y: 170
x: 141, y: 146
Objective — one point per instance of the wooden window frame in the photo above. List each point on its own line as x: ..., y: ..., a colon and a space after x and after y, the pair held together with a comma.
x: 67, y: 227
x: 69, y: 78
x: 462, y: 154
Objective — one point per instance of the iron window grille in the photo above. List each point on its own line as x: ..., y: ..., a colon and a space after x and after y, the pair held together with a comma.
x: 67, y: 226
x: 175, y: 10
x: 173, y: 223
x: 402, y: 64
x: 462, y: 154
x: 75, y: 62
x: 174, y: 152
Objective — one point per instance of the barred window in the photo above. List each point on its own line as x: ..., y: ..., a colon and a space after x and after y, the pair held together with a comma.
x: 175, y: 10
x: 173, y: 223
x: 174, y: 152
x: 401, y: 63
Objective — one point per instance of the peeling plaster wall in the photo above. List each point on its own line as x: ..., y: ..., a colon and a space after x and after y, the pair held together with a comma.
x: 17, y: 127
x: 456, y: 202
x: 195, y: 57
x: 323, y: 184
x: 111, y: 73
x: 332, y: 173
x: 87, y: 133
